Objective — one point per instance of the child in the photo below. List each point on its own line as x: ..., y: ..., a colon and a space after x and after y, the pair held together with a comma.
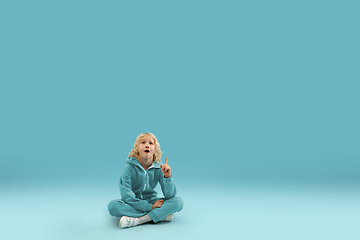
x: 142, y: 172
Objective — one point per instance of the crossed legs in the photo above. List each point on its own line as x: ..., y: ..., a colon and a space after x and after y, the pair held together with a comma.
x: 119, y: 208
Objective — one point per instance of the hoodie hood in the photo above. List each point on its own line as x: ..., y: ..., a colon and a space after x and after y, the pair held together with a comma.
x: 135, y: 162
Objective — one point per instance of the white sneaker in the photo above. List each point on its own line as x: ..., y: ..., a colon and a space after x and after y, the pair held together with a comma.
x: 168, y: 218
x: 128, y: 222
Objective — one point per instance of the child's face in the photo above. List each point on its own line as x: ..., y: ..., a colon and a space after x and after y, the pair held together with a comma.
x: 146, y: 147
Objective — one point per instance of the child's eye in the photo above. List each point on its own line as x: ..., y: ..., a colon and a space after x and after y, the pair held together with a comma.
x: 151, y: 143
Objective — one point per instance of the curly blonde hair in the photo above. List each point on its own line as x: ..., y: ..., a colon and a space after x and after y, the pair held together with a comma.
x: 135, y: 151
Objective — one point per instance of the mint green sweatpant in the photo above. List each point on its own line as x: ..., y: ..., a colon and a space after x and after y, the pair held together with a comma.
x: 119, y: 208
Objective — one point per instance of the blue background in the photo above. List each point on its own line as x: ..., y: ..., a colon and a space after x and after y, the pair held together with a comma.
x: 255, y: 104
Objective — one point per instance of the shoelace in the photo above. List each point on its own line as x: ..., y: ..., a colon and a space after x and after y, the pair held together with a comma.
x: 132, y: 222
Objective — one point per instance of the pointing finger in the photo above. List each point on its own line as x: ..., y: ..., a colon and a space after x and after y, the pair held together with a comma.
x: 165, y: 160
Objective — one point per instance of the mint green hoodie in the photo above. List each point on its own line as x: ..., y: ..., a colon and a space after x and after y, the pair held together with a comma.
x: 137, y: 185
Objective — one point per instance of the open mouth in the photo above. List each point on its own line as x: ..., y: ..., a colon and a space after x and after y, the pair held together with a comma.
x: 147, y: 151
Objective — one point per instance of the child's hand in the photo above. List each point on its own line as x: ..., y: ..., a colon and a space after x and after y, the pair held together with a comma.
x: 157, y: 204
x: 166, y: 169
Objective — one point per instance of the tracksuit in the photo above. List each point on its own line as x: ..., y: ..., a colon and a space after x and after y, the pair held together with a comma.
x: 137, y: 189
